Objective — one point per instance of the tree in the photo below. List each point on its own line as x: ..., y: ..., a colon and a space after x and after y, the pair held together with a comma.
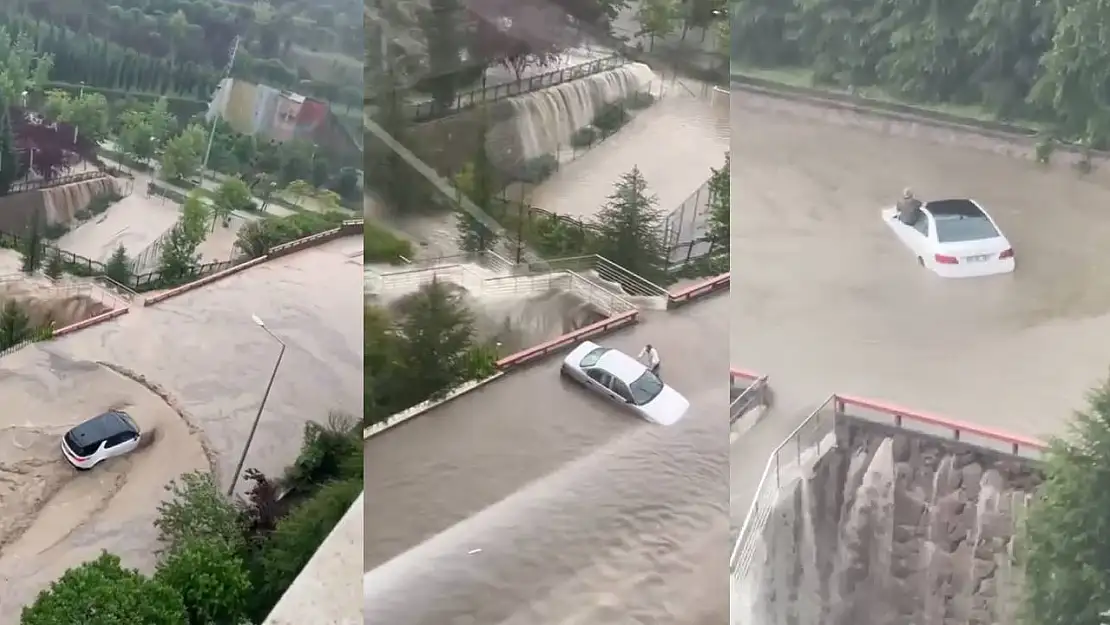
x: 630, y: 228
x: 183, y: 155
x: 298, y: 190
x: 54, y: 264
x: 9, y: 159
x: 142, y: 130
x: 299, y: 535
x: 436, y: 331
x: 197, y: 510
x: 477, y: 182
x: 23, y: 69
x: 118, y: 267
x: 329, y: 452
x: 33, y: 250
x: 88, y: 113
x: 1066, y: 576
x: 102, y: 592
x: 179, y: 260
x: 442, y: 29
x: 211, y: 577
x: 657, y: 18
x: 232, y: 195
x: 15, y: 325
x: 720, y: 207
x: 379, y: 359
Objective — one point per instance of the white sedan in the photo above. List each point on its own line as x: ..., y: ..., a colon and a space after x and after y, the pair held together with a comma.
x: 624, y: 380
x: 955, y: 239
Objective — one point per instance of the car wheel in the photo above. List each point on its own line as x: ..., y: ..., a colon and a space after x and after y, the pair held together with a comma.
x: 83, y: 469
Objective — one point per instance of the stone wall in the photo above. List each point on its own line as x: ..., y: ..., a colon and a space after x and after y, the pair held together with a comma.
x: 895, y: 528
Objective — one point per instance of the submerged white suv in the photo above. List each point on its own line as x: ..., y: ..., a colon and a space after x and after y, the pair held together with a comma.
x: 113, y: 433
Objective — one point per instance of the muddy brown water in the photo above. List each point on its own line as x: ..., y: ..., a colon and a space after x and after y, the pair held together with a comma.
x: 826, y: 299
x: 584, y: 514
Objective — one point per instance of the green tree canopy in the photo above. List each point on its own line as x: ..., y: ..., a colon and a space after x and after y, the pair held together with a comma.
x: 630, y: 228
x: 103, y: 592
x: 1067, y: 576
x: 211, y: 577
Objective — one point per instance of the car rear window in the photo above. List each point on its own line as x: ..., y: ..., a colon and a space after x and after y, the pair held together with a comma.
x: 959, y: 228
x: 592, y: 357
x: 645, y: 388
x: 80, y: 445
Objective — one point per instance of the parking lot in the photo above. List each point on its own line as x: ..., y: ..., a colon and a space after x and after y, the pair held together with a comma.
x: 205, y: 352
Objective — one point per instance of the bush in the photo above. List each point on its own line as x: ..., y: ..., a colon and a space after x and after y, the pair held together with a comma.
x: 639, y: 101
x: 55, y: 231
x: 584, y: 137
x: 257, y: 238
x: 102, y: 202
x: 382, y: 246
x: 611, y: 118
x: 538, y: 169
x: 153, y: 188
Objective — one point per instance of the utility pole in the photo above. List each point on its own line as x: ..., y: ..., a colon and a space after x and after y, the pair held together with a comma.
x: 216, y: 117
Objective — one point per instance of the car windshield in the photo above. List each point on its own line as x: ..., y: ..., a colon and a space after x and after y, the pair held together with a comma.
x: 592, y: 357
x: 958, y: 228
x: 645, y: 388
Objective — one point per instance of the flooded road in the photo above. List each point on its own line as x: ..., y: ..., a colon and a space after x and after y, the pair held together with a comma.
x: 826, y: 299
x: 583, y: 513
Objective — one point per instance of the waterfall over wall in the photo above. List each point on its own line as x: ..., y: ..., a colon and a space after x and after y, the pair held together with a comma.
x: 543, y: 122
x: 62, y: 203
x: 893, y: 529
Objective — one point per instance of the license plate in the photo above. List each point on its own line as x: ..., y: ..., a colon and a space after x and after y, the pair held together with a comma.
x: 978, y: 259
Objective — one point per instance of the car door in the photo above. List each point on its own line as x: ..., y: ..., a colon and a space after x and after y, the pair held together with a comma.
x: 602, y: 381
x: 119, y: 444
x: 920, y: 235
x: 620, y: 390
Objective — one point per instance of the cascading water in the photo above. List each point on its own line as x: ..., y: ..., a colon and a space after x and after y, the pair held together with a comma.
x: 543, y: 121
x: 891, y: 530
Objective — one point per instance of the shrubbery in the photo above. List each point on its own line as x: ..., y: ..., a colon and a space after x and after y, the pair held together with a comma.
x: 256, y: 238
x: 382, y: 246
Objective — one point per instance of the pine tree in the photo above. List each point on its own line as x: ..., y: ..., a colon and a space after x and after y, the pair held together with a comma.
x: 719, y: 208
x: 630, y: 231
x: 477, y: 182
x: 436, y: 332
x: 33, y: 249
x: 54, y: 265
x: 179, y: 259
x: 9, y: 158
x: 118, y: 267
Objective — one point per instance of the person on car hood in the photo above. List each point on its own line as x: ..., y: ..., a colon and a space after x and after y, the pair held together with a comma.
x: 909, y: 208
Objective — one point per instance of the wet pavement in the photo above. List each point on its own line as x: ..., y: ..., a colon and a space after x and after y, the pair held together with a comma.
x: 584, y: 514
x: 826, y: 299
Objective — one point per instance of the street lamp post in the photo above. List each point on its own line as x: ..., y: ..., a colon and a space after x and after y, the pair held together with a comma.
x: 261, y: 406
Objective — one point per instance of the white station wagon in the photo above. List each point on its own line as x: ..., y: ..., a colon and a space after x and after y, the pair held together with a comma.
x: 622, y: 379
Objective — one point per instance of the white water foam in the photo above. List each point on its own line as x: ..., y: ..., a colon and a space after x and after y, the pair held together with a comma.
x: 546, y: 119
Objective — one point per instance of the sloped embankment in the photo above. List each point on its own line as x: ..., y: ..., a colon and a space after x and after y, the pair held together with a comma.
x: 893, y: 528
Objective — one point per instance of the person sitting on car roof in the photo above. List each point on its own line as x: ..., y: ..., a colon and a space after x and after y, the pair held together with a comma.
x: 909, y: 208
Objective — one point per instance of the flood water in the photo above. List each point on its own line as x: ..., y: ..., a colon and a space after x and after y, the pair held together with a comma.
x: 826, y: 299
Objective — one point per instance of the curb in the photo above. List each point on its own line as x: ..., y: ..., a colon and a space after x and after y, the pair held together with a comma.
x: 219, y: 275
x: 92, y: 321
x: 423, y: 407
x: 349, y: 228
x: 698, y: 291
